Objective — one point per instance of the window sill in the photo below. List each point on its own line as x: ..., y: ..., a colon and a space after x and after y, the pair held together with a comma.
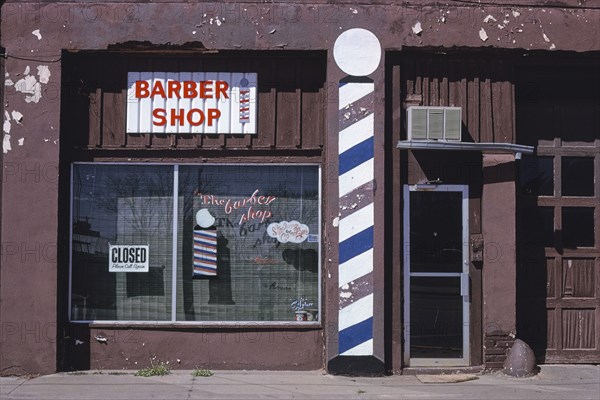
x: 202, y: 325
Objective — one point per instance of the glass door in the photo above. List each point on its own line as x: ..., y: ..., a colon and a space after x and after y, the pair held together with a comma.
x: 436, y: 275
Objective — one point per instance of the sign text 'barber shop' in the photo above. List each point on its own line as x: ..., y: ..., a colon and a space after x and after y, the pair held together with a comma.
x: 191, y: 102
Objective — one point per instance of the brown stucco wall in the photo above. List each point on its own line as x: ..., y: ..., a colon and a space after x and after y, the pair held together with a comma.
x: 220, y: 348
x: 499, y: 267
x: 30, y: 185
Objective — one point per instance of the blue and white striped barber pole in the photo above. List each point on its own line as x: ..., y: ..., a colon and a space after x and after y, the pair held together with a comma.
x: 357, y: 52
x: 356, y: 219
x: 205, y: 252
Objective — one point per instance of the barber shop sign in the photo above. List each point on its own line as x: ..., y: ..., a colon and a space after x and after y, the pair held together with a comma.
x: 191, y: 102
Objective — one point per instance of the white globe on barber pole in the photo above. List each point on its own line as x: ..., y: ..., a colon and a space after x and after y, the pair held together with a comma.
x: 357, y: 52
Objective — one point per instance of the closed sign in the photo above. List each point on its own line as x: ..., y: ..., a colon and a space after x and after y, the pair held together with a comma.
x: 128, y: 258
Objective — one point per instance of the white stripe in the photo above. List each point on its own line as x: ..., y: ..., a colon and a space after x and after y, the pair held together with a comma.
x: 202, y: 256
x: 351, y: 92
x: 363, y: 349
x: 356, y: 222
x: 356, y: 133
x: 205, y: 248
x: 356, y: 267
x: 356, y: 177
x: 356, y: 312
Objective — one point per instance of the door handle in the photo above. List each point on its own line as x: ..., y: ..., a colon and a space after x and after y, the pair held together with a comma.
x: 464, y: 284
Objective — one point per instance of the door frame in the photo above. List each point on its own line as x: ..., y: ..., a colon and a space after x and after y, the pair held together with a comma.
x: 464, y: 277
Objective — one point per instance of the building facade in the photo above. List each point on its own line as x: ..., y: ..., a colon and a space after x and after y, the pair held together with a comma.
x: 299, y: 185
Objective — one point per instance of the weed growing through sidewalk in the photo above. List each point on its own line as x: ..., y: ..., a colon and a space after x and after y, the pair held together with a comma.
x: 159, y: 369
x: 202, y: 372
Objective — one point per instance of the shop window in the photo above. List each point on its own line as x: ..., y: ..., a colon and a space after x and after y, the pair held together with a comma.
x: 577, y: 176
x: 117, y: 205
x: 578, y: 227
x: 537, y: 176
x: 242, y: 241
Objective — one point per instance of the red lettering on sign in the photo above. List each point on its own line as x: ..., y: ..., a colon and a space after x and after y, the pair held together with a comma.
x: 158, y: 90
x: 190, y: 117
x: 189, y: 90
x: 173, y: 89
x: 159, y: 115
x: 213, y: 114
x: 221, y: 89
x: 141, y: 89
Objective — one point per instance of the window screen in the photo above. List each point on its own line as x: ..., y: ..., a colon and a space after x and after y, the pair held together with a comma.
x: 128, y: 206
x: 265, y: 225
x: 246, y: 242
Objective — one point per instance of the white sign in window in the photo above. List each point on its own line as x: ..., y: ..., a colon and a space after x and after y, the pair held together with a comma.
x: 191, y: 102
x: 124, y: 258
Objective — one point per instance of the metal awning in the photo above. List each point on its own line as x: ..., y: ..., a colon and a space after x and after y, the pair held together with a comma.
x: 465, y: 146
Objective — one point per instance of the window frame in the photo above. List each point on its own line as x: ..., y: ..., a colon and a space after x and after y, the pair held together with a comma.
x: 173, y: 321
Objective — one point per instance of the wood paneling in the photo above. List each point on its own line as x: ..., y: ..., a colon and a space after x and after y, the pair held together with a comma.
x: 578, y: 329
x: 482, y: 87
x: 578, y: 277
x: 290, y: 100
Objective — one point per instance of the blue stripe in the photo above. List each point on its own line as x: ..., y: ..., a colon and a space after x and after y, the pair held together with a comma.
x: 356, y: 245
x: 354, y: 335
x: 356, y: 155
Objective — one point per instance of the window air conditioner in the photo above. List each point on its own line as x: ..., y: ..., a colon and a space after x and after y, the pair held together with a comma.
x: 434, y: 123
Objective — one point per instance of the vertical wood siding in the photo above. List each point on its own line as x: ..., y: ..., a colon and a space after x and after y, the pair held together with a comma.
x: 290, y: 100
x: 483, y: 87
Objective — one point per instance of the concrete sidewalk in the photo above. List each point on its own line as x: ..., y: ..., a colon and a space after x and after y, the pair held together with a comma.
x: 553, y: 382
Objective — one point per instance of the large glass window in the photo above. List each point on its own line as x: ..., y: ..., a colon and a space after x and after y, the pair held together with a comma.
x: 113, y: 206
x: 242, y: 241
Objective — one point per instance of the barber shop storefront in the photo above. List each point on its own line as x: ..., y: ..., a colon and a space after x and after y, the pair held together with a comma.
x: 278, y: 196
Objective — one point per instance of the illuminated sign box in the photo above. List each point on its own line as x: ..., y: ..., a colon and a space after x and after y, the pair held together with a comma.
x: 191, y: 102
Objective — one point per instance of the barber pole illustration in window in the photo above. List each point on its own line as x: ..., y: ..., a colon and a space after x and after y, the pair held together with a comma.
x: 205, y: 245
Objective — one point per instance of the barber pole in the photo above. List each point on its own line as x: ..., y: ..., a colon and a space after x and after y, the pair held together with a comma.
x: 358, y: 53
x: 205, y: 253
x: 356, y: 218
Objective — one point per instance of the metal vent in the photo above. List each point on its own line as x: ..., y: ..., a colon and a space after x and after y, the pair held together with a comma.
x: 434, y: 123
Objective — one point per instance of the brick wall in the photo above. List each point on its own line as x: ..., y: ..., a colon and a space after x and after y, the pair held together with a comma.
x: 495, y: 349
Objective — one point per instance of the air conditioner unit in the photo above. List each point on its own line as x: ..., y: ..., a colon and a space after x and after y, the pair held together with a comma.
x: 434, y: 123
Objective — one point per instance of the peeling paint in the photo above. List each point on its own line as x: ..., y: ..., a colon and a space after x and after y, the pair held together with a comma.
x: 44, y: 73
x: 345, y: 287
x: 37, y: 34
x: 6, y: 127
x: 6, y: 144
x: 546, y: 39
x: 18, y: 117
x: 489, y: 18
x: 21, y: 141
x: 8, y: 82
x: 31, y: 87
x: 345, y: 295
x: 516, y: 13
x: 483, y: 35
x: 552, y: 46
x: 336, y: 222
x: 417, y: 29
